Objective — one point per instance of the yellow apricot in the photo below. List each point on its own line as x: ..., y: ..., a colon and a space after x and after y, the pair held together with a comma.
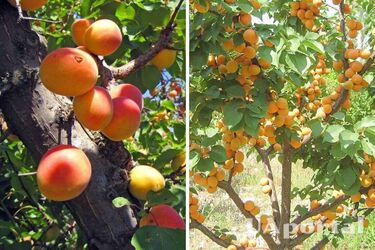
x: 164, y: 59
x: 144, y: 179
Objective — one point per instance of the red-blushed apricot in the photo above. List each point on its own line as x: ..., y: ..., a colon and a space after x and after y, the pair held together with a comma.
x: 144, y: 179
x: 164, y: 59
x: 163, y: 216
x: 129, y: 91
x: 79, y: 28
x: 63, y: 173
x: 125, y: 121
x: 69, y: 72
x: 103, y: 37
x: 29, y: 4
x: 94, y: 109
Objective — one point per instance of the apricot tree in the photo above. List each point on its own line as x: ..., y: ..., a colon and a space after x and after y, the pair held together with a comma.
x: 261, y: 83
x: 92, y: 140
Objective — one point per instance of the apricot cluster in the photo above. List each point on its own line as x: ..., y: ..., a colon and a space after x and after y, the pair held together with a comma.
x: 210, y: 181
x: 74, y: 72
x: 306, y: 11
x: 193, y: 209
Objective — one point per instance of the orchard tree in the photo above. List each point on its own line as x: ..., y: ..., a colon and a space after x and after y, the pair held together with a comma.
x: 261, y: 83
x: 92, y: 124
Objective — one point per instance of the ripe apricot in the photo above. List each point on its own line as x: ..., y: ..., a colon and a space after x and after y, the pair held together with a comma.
x: 69, y: 72
x: 202, y: 9
x: 231, y: 247
x: 249, y: 205
x: 338, y: 65
x: 63, y: 173
x: 282, y: 103
x: 245, y: 19
x: 277, y: 147
x: 266, y: 189
x: 163, y: 216
x: 250, y: 36
x: 164, y: 59
x: 254, y: 70
x: 29, y: 5
x: 128, y: 90
x: 264, y: 181
x: 125, y: 121
x: 365, y: 54
x: 371, y: 194
x: 94, y: 109
x: 239, y: 156
x: 356, y: 66
x: 144, y: 179
x: 79, y: 28
x: 295, y: 143
x: 103, y: 37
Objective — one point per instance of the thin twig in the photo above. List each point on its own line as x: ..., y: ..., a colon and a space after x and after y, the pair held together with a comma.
x: 22, y: 17
x: 320, y: 244
x: 195, y: 225
x: 240, y: 205
x: 142, y: 60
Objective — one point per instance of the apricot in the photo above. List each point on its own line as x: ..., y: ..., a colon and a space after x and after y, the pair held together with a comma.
x: 103, y: 37
x: 63, y: 173
x: 79, y: 28
x: 129, y: 91
x: 163, y: 216
x: 164, y: 59
x: 250, y: 36
x: 144, y: 179
x: 29, y: 5
x: 125, y: 121
x: 69, y: 72
x: 245, y: 19
x: 202, y: 9
x: 94, y: 109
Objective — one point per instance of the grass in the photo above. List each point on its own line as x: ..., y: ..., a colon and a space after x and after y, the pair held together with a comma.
x: 221, y: 211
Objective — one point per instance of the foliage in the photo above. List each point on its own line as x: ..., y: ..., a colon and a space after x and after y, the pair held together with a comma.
x: 29, y: 220
x: 283, y: 101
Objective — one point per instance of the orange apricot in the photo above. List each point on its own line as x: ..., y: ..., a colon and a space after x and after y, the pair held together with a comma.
x: 69, y: 72
x: 79, y: 28
x: 63, y: 173
x: 125, y: 121
x: 128, y: 90
x: 103, y: 37
x: 94, y: 109
x: 164, y: 59
x: 29, y: 5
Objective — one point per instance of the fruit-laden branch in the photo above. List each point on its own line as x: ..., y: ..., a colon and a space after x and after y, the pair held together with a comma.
x: 195, y: 225
x: 142, y: 60
x: 275, y: 203
x: 286, y: 189
x: 240, y: 205
x: 327, y: 206
x: 344, y: 93
x: 320, y: 244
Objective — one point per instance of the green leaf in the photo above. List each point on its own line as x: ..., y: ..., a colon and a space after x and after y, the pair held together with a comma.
x: 366, y: 122
x: 120, y: 202
x: 314, y: 45
x: 158, y: 238
x: 345, y: 177
x: 235, y: 91
x: 218, y: 154
x: 298, y: 62
x: 168, y: 104
x: 332, y: 133
x: 164, y: 196
x: 194, y: 158
x: 232, y: 116
x: 205, y: 164
x: 165, y: 157
x: 347, y: 138
x: 317, y: 127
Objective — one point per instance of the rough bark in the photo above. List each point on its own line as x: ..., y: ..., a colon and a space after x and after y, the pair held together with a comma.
x: 32, y: 113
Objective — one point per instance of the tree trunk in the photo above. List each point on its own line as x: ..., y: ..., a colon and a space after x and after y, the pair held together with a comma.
x: 33, y: 114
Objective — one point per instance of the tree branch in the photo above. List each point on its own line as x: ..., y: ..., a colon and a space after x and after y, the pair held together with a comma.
x: 22, y: 17
x: 320, y: 244
x: 195, y: 225
x: 142, y: 60
x: 240, y: 205
x: 274, y: 201
x: 286, y: 186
